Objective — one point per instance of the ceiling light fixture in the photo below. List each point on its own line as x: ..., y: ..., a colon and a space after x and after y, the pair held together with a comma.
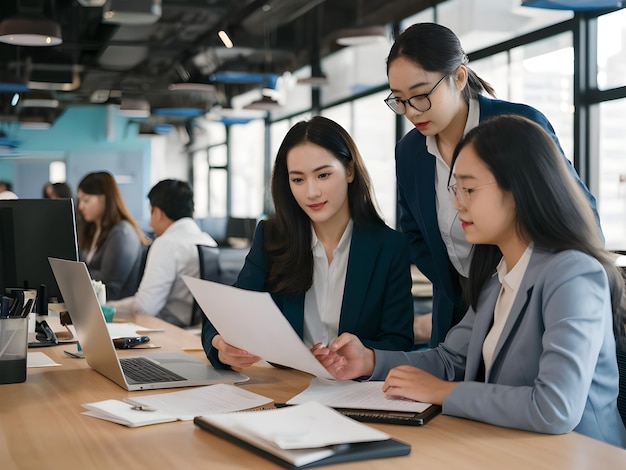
x: 223, y: 35
x: 361, y: 36
x: 134, y: 108
x: 35, y: 32
x: 92, y: 3
x: 574, y: 5
x: 265, y: 103
x: 191, y: 86
x: 133, y: 12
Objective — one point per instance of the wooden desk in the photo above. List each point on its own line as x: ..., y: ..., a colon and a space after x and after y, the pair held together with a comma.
x: 41, y: 427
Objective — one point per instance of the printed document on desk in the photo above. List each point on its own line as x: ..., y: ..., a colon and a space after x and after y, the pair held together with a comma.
x: 183, y: 406
x: 303, y: 436
x: 350, y: 394
x: 251, y: 320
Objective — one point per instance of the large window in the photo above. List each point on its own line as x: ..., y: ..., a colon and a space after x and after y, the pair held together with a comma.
x: 373, y: 130
x: 612, y: 173
x: 218, y: 181
x: 539, y: 74
x: 247, y: 154
x: 612, y: 50
x: 372, y: 127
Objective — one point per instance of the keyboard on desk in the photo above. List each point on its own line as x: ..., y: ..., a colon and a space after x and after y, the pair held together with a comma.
x: 142, y: 370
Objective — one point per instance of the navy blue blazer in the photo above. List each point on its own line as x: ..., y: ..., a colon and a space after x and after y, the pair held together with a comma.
x: 415, y: 173
x: 554, y: 367
x: 377, y: 303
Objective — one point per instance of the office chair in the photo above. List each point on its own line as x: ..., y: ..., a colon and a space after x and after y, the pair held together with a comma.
x: 209, y: 271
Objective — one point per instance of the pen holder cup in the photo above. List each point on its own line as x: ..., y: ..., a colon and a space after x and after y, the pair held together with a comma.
x: 13, y: 349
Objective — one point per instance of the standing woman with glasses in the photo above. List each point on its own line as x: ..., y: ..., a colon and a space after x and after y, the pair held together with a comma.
x: 432, y: 86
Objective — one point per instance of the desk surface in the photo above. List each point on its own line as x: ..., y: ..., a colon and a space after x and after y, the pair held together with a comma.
x: 41, y: 427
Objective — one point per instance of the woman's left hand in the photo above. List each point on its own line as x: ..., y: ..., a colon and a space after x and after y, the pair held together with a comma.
x: 415, y: 384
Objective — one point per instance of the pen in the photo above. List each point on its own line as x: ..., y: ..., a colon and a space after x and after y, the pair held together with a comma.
x: 135, y: 405
x: 27, y: 308
x: 74, y: 355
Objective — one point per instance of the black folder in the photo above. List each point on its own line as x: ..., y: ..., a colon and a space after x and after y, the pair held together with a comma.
x: 347, y: 453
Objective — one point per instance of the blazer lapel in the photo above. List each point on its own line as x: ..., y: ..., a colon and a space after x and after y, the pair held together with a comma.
x: 518, y: 309
x: 358, y: 273
x: 482, y: 325
x: 293, y: 309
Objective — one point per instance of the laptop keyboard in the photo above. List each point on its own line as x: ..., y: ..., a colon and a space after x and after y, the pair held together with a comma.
x: 143, y: 370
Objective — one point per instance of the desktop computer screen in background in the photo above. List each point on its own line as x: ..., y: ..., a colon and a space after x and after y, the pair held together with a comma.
x: 31, y: 230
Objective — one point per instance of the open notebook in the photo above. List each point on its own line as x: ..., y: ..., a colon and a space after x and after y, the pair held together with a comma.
x: 303, y: 436
x: 168, y: 370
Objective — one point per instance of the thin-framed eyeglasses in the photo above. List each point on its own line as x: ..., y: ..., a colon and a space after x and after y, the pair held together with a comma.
x: 463, y: 195
x: 420, y: 102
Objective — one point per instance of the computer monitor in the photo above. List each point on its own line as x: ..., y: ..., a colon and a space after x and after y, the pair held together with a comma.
x: 31, y: 230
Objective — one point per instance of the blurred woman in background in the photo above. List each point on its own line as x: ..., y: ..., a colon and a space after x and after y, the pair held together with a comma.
x: 109, y: 239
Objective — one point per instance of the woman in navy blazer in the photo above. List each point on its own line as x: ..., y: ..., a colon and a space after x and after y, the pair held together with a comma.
x: 537, y: 348
x: 327, y: 258
x: 434, y: 88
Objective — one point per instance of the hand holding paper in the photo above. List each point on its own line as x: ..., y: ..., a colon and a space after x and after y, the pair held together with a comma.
x: 252, y: 321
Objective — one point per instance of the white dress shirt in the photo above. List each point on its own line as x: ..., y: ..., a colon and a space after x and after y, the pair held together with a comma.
x: 459, y: 250
x: 322, y: 302
x: 162, y: 292
x: 510, y: 286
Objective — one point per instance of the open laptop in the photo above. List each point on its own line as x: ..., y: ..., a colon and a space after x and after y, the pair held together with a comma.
x: 177, y: 370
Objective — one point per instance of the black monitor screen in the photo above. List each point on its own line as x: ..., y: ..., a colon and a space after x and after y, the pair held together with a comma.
x: 31, y: 230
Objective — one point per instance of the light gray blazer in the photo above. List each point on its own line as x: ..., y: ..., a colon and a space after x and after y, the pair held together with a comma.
x: 554, y: 367
x: 117, y: 262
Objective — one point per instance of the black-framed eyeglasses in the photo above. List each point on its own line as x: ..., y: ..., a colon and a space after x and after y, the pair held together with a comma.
x: 420, y: 103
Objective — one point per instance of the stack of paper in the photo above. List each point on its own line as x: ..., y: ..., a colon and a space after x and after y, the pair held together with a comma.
x: 183, y: 405
x: 304, y: 434
x: 350, y: 394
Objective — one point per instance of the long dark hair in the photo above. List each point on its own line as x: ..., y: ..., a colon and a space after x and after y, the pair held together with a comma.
x: 288, y: 231
x: 115, y: 210
x: 436, y: 48
x: 551, y: 209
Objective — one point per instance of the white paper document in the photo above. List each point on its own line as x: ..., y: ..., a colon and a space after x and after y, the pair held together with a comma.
x: 39, y: 359
x: 358, y: 395
x: 121, y: 330
x: 298, y: 434
x: 251, y: 320
x: 183, y: 405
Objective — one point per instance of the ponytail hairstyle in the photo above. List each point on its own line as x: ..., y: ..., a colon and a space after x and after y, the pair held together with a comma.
x: 436, y: 48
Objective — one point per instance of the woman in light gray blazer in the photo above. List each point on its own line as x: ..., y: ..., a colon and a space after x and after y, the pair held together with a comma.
x: 109, y: 239
x: 537, y: 347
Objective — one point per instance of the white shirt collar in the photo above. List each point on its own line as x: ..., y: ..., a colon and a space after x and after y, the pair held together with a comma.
x: 512, y: 279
